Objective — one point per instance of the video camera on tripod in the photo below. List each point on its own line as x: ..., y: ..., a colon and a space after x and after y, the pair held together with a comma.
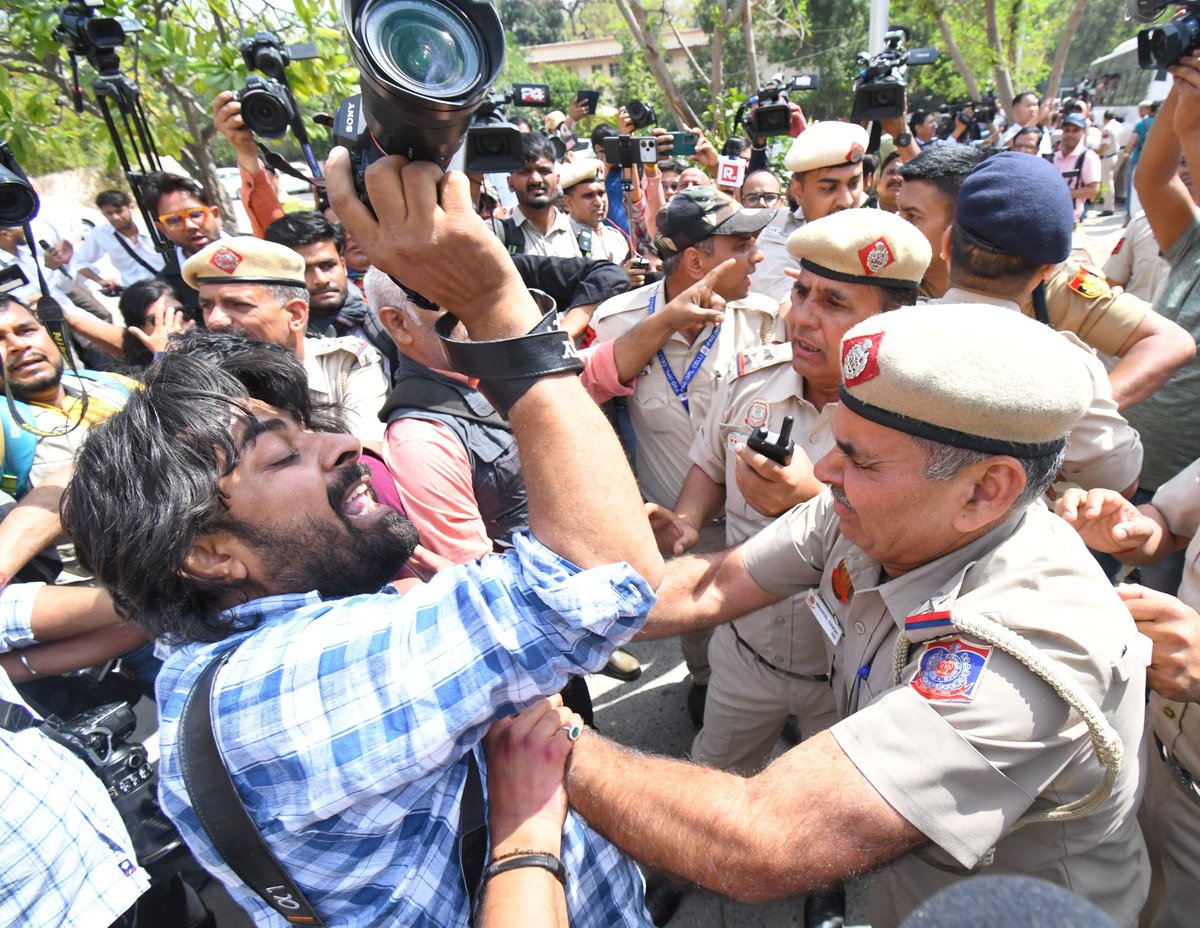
x: 97, y: 39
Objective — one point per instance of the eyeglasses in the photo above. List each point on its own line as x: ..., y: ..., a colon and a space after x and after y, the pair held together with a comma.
x: 193, y: 214
x: 761, y: 199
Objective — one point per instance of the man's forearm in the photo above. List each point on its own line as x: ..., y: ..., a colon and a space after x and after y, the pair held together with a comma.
x: 634, y: 349
x: 808, y: 821
x: 700, y: 500
x: 75, y: 653
x: 1147, y: 365
x: 32, y: 526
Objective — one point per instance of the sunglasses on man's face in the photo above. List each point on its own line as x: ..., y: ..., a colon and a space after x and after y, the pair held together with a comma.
x: 193, y: 214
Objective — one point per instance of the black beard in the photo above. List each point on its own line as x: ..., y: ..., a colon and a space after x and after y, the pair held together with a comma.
x: 307, y: 555
x: 28, y: 390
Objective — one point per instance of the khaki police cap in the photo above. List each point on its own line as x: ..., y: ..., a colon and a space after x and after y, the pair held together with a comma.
x: 863, y: 246
x: 576, y: 172
x: 244, y: 260
x: 827, y: 145
x: 970, y: 375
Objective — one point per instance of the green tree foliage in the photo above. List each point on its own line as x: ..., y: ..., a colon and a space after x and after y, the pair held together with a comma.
x: 533, y: 22
x: 186, y: 54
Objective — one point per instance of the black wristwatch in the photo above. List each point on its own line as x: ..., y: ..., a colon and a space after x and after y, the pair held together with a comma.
x: 903, y: 139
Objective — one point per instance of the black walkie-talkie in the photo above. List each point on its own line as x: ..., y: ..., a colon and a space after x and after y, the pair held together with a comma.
x: 776, y: 447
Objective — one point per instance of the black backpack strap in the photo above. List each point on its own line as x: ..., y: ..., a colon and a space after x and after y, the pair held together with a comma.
x: 514, y: 238
x: 219, y: 808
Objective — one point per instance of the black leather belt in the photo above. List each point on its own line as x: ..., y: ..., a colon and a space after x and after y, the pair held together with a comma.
x: 1185, y: 780
x: 809, y: 677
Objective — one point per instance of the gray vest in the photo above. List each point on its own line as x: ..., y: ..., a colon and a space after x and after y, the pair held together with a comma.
x: 491, y: 449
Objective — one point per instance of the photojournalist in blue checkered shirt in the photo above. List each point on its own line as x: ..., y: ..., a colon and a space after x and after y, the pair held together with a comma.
x: 219, y: 511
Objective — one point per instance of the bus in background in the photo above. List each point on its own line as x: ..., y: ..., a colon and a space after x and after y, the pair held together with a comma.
x: 1117, y: 83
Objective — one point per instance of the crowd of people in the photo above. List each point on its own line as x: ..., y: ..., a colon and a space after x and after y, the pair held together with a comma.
x: 364, y: 495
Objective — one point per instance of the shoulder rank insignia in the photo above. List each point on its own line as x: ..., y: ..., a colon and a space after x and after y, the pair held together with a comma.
x: 1088, y: 284
x: 760, y: 356
x: 950, y: 670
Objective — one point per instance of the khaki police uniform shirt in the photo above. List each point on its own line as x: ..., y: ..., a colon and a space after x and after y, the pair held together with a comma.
x: 963, y: 753
x: 1103, y: 450
x: 1079, y: 300
x: 558, y: 242
x: 1177, y: 724
x: 664, y: 429
x: 349, y: 372
x: 608, y: 244
x: 761, y: 388
x: 770, y: 279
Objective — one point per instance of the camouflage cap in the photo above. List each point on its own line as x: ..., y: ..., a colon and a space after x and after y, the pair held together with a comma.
x: 697, y: 213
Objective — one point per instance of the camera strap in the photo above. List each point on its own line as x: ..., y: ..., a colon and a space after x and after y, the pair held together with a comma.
x: 15, y: 717
x: 136, y: 257
x: 236, y: 838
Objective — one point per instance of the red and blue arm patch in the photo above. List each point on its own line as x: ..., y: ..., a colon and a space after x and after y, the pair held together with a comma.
x: 950, y: 670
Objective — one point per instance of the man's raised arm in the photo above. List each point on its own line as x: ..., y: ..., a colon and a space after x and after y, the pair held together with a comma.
x: 583, y: 501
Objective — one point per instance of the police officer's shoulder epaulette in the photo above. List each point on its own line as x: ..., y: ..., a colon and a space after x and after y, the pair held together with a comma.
x: 760, y: 357
x: 1088, y: 283
x: 363, y: 352
x: 638, y: 299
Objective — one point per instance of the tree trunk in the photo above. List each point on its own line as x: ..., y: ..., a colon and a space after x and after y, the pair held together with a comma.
x: 716, y: 86
x: 751, y: 51
x: 635, y: 16
x: 956, y: 55
x: 1000, y: 71
x: 1064, y: 46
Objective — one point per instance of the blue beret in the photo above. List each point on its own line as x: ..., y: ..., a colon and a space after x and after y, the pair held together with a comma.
x: 1017, y: 204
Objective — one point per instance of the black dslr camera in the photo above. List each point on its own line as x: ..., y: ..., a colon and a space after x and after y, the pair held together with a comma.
x: 100, y: 738
x: 267, y: 105
x: 426, y: 67
x: 641, y: 113
x: 1162, y: 46
x: 18, y: 201
x: 879, y: 93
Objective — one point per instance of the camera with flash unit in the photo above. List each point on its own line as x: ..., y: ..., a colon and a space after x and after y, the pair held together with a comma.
x: 268, y: 109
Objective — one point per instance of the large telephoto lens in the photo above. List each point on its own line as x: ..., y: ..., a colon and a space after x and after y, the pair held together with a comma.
x: 18, y: 202
x: 425, y: 67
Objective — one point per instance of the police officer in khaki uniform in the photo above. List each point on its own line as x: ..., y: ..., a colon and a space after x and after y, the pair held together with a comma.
x: 772, y: 662
x: 1012, y: 227
x: 1077, y: 299
x: 257, y: 288
x: 1171, y: 807
x: 990, y: 680
x: 826, y: 165
x: 586, y: 205
x: 697, y: 231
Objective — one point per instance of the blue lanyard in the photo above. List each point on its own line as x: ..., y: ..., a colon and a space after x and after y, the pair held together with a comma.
x: 678, y: 388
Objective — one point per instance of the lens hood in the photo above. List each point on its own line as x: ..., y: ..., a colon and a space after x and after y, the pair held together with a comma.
x: 425, y: 66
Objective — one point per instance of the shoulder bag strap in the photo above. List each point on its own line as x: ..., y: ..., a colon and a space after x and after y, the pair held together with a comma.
x: 136, y: 257
x: 219, y: 807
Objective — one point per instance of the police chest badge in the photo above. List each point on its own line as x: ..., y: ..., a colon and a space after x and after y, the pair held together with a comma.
x: 757, y: 414
x: 876, y: 256
x: 843, y: 586
x: 950, y: 670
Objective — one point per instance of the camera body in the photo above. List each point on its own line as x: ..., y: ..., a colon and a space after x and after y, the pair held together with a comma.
x: 100, y: 738
x: 770, y: 112
x: 493, y: 143
x: 267, y: 108
x: 641, y: 113
x: 1162, y: 46
x: 96, y: 38
x: 883, y: 80
x: 628, y: 150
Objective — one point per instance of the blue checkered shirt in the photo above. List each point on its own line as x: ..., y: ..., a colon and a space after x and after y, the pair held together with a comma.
x: 346, y: 723
x: 65, y: 856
